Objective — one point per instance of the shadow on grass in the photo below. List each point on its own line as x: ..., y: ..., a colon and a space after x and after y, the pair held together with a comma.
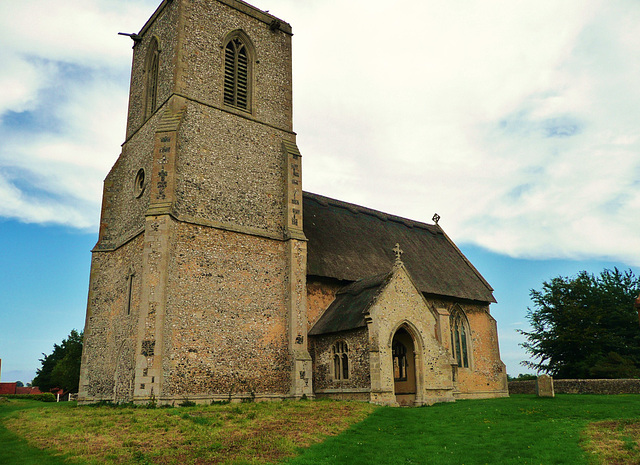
x: 517, y: 430
x: 16, y: 450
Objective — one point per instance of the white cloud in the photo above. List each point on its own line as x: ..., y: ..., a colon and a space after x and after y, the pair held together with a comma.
x: 63, y: 92
x: 516, y: 121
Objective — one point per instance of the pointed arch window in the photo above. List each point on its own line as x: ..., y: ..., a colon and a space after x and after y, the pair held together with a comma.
x: 459, y: 338
x: 340, y: 352
x: 151, y: 78
x: 237, y: 73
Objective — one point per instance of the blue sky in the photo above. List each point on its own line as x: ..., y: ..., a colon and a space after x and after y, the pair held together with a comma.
x: 516, y: 121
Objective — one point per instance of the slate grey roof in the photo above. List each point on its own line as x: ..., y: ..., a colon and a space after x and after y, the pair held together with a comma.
x: 349, y: 242
x: 351, y: 304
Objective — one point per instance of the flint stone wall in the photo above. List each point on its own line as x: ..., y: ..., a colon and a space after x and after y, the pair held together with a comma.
x: 358, y: 343
x: 226, y: 319
x: 107, y: 360
x: 580, y: 386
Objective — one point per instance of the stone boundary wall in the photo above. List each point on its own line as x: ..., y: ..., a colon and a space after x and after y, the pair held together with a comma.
x: 580, y: 386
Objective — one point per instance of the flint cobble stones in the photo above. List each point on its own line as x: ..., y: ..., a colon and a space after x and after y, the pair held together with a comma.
x: 226, y: 315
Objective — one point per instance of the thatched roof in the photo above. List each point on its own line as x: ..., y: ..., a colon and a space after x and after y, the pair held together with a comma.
x: 349, y: 242
x: 350, y: 306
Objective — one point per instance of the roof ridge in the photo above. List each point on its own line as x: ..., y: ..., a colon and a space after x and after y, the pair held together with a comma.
x: 383, y: 216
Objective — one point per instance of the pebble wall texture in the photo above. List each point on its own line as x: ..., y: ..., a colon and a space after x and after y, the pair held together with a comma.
x: 225, y: 314
x: 358, y: 354
x: 216, y: 305
x: 110, y: 332
x: 580, y: 386
x: 122, y: 209
x: 202, y: 60
x: 233, y: 178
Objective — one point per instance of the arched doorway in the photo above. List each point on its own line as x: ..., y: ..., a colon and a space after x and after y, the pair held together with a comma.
x: 404, y: 367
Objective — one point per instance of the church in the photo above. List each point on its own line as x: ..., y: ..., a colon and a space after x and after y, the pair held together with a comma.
x: 216, y: 277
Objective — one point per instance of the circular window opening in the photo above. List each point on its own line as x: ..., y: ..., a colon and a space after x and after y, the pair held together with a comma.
x: 138, y: 185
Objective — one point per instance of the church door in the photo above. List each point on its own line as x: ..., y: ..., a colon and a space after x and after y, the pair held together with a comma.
x: 404, y: 367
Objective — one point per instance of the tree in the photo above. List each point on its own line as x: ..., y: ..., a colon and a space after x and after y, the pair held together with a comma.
x: 19, y: 384
x: 585, y: 326
x: 61, y: 368
x: 522, y: 377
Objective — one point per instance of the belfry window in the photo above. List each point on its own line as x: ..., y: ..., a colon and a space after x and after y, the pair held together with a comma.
x: 340, y: 353
x: 399, y: 362
x: 236, y: 74
x: 151, y: 79
x: 459, y: 341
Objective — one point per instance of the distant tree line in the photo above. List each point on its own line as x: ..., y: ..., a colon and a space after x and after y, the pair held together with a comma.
x: 61, y: 368
x: 522, y: 377
x: 585, y: 326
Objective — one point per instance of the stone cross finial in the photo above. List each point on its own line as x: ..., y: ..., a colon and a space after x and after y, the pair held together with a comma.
x: 398, y: 251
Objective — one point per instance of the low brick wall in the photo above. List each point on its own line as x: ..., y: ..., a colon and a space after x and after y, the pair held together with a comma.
x: 580, y: 386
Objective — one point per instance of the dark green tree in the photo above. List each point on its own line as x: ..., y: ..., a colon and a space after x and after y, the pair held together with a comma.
x: 585, y: 326
x: 61, y: 368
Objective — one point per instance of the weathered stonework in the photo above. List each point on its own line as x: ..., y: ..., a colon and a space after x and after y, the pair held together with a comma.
x: 359, y: 381
x: 580, y: 386
x: 108, y: 356
x: 220, y: 296
x: 203, y: 282
x: 425, y: 327
x: 320, y: 294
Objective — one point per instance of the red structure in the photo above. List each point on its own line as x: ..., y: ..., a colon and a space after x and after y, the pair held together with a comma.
x: 7, y: 388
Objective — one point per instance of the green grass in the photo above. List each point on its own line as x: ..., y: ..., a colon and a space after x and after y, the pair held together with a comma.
x: 15, y: 449
x: 517, y: 430
x: 568, y: 429
x: 252, y: 433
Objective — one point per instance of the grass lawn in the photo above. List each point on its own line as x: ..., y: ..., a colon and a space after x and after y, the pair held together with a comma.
x: 519, y: 430
x: 578, y: 429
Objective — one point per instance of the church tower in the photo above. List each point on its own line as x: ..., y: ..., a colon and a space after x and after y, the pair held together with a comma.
x: 198, y: 279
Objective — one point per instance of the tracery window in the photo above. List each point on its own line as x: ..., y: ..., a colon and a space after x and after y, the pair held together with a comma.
x: 151, y: 78
x: 459, y: 338
x: 340, y: 352
x: 237, y: 70
x: 399, y: 361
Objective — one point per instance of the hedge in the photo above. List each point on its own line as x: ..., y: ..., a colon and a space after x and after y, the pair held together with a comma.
x: 46, y: 397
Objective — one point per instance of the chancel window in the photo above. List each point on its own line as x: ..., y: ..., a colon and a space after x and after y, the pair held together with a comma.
x: 459, y: 338
x: 151, y: 79
x: 236, y: 74
x: 399, y: 361
x: 340, y: 353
